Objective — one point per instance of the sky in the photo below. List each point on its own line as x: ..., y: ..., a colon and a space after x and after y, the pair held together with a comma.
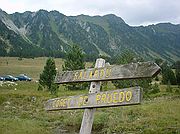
x: 133, y: 12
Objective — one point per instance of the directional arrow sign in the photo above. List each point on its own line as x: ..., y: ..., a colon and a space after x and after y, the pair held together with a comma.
x: 114, y: 72
x: 121, y: 97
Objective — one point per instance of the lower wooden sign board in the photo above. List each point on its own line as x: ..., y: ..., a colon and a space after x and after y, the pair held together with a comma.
x: 121, y: 97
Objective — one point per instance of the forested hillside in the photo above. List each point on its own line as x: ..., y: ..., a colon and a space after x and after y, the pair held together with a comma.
x: 43, y: 33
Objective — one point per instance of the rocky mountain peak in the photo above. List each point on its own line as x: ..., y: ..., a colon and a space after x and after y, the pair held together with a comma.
x: 114, y: 17
x: 52, y: 33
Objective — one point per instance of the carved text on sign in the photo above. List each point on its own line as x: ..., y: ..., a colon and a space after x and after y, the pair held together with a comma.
x: 114, y: 72
x: 127, y: 96
x: 92, y: 74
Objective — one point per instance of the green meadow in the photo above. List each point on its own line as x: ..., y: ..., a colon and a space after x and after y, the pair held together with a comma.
x: 31, y: 67
x: 22, y: 107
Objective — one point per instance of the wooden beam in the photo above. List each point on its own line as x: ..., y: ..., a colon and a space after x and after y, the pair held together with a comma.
x: 114, y: 72
x: 88, y: 117
x: 121, y: 97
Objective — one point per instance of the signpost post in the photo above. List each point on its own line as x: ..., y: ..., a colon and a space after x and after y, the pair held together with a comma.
x: 88, y: 117
x: 95, y: 98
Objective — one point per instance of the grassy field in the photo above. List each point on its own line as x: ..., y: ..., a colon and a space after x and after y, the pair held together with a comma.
x: 22, y: 108
x: 31, y: 67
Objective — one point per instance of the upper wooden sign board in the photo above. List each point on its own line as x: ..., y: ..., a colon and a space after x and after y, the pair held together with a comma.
x: 114, y: 72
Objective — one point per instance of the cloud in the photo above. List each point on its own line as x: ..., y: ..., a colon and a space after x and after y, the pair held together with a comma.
x: 154, y: 11
x: 134, y: 12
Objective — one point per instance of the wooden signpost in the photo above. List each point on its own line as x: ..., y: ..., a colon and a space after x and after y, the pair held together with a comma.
x: 95, y: 98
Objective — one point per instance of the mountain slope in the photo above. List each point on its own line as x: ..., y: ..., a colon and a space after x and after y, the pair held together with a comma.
x: 52, y: 33
x: 11, y: 41
x: 161, y: 40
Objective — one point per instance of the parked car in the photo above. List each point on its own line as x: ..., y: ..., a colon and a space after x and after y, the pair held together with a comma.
x: 10, y: 78
x: 1, y: 78
x: 23, y: 77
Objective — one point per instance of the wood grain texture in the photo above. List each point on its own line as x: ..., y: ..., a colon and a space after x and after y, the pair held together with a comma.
x: 114, y: 72
x: 121, y: 97
x: 88, y: 117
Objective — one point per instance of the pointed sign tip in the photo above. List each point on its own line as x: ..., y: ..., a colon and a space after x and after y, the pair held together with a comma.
x: 157, y: 70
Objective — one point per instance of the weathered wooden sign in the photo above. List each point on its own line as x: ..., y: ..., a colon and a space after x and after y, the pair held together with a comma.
x: 127, y: 96
x: 128, y: 71
x: 95, y: 98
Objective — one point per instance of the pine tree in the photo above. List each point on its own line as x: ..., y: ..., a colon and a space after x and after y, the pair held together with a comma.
x: 48, y: 75
x: 74, y: 60
x: 168, y: 75
x: 126, y: 57
x: 177, y: 66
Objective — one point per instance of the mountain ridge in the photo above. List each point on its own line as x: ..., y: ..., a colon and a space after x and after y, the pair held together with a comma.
x: 52, y: 33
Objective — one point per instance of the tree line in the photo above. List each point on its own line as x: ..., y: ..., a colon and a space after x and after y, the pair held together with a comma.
x: 75, y: 60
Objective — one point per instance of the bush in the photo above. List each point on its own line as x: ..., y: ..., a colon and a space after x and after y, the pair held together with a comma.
x: 20, y: 58
x: 40, y: 87
x: 169, y: 88
x: 155, y: 89
x: 156, y: 78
